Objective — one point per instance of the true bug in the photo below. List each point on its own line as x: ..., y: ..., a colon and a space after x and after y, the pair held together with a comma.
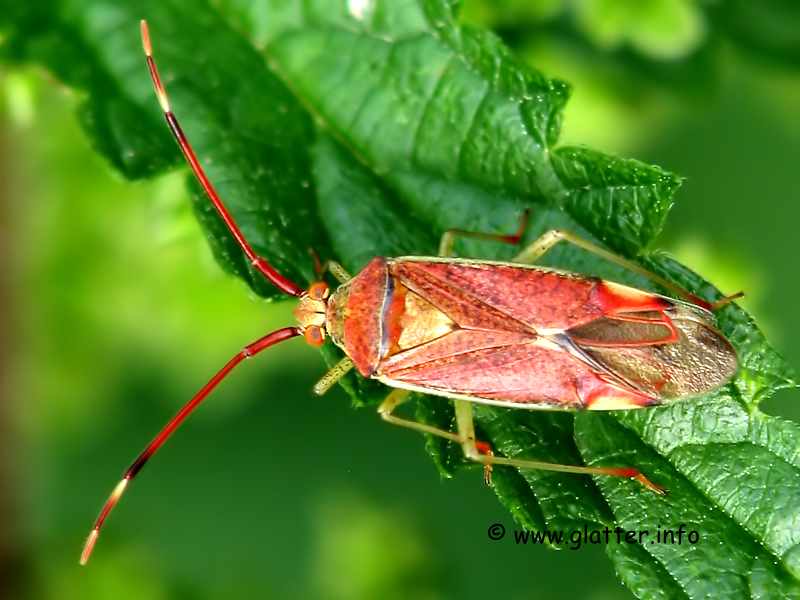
x: 508, y: 334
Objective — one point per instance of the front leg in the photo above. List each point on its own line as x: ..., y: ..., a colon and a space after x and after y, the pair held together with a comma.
x: 336, y: 372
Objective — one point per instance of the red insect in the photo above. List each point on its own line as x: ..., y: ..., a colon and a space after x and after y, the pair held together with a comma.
x: 507, y: 334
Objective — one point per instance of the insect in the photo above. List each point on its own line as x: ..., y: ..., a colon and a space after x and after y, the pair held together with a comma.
x: 506, y: 334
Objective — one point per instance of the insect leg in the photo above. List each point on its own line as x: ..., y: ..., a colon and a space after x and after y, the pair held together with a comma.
x: 449, y: 236
x: 398, y: 397
x: 547, y: 240
x: 338, y: 371
x: 336, y: 270
x: 466, y: 430
x: 475, y: 450
x: 334, y: 267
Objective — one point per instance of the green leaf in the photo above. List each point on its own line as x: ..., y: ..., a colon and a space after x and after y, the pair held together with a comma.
x: 436, y: 99
x: 739, y: 495
x: 370, y: 128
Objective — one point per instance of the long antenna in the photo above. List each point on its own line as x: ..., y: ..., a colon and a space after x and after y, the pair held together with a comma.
x: 282, y: 283
x: 251, y: 350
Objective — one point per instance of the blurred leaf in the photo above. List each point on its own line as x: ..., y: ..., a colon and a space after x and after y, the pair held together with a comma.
x: 770, y: 28
x: 353, y: 561
x: 424, y: 125
x: 660, y: 29
x: 496, y: 13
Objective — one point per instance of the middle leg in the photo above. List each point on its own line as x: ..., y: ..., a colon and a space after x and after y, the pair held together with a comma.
x: 449, y: 236
x: 397, y: 397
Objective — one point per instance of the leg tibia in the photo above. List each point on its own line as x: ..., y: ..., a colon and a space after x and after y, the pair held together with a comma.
x: 481, y: 452
x: 550, y: 238
x: 398, y: 397
x: 580, y: 470
x: 477, y: 452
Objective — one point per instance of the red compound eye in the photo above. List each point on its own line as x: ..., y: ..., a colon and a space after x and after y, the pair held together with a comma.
x: 314, y: 335
x: 318, y: 290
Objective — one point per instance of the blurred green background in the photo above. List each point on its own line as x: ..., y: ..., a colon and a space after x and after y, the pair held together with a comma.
x: 114, y: 313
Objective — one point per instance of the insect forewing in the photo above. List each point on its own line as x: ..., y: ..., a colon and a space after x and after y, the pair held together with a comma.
x: 699, y: 361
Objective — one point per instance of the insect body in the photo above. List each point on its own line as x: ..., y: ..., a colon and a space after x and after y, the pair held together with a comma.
x: 523, y: 336
x: 508, y: 334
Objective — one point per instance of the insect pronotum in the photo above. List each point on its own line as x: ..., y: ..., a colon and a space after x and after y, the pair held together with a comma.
x: 507, y: 334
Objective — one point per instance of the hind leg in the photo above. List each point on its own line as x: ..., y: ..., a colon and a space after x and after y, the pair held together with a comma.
x: 473, y: 451
x: 547, y: 240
